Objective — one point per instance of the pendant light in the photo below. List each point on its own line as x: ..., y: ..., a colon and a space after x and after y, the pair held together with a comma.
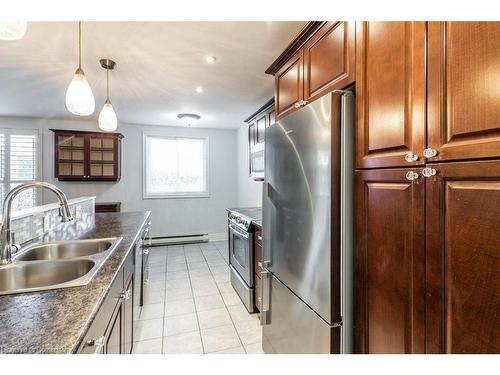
x: 12, y: 30
x: 107, y: 118
x: 79, y: 98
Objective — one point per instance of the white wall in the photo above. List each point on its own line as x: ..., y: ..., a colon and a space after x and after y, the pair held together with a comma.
x: 249, y: 191
x: 169, y: 216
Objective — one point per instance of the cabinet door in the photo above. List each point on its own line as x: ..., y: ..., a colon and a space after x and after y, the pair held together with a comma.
x: 103, y: 157
x: 463, y: 258
x: 261, y: 124
x: 464, y: 105
x: 289, y: 85
x: 114, y: 335
x: 128, y: 317
x: 70, y: 156
x: 329, y: 59
x: 390, y: 93
x: 272, y: 118
x: 389, y: 262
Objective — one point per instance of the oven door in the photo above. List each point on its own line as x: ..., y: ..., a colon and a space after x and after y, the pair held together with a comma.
x: 241, y: 253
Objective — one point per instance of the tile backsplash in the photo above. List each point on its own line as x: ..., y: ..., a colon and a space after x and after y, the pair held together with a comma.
x: 31, y: 226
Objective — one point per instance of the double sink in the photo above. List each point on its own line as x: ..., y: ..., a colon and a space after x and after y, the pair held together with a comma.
x: 55, y: 265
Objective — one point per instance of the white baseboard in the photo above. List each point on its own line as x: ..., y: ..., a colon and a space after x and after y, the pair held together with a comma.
x: 217, y: 237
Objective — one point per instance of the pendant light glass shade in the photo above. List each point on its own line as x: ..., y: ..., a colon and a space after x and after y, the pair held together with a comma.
x: 107, y: 118
x: 12, y: 30
x: 79, y: 97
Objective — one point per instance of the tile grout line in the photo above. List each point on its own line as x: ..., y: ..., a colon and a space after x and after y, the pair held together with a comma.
x: 230, y: 317
x: 194, y: 301
x: 164, y: 300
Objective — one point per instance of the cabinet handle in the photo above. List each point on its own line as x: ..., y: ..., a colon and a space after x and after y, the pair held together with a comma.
x: 430, y: 153
x: 259, y: 264
x: 125, y: 294
x: 411, y: 176
x: 429, y: 172
x: 259, y: 238
x: 410, y: 158
x: 297, y: 105
x: 98, y: 343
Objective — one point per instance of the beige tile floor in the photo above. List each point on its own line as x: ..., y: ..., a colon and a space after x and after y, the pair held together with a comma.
x: 191, y: 307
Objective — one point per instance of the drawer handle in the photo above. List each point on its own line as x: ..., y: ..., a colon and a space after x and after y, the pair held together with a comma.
x: 98, y: 343
x: 125, y: 294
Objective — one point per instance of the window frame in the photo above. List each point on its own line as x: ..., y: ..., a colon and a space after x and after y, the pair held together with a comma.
x: 38, y: 154
x: 146, y: 195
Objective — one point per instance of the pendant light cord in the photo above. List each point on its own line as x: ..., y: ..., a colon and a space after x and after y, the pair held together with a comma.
x: 80, y: 44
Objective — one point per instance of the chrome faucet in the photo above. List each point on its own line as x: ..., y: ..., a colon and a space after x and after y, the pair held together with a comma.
x: 6, y: 236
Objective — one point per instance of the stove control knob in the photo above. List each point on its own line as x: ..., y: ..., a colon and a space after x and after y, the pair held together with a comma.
x: 238, y: 220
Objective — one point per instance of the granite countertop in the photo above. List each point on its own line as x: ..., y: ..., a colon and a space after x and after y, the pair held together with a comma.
x: 56, y: 321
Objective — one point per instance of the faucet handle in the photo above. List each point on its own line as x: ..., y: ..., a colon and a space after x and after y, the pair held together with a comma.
x: 14, y: 248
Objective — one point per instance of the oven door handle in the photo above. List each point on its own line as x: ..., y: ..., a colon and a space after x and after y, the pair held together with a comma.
x: 245, y: 236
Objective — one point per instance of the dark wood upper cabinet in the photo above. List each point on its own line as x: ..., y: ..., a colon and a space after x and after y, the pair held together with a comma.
x: 289, y: 90
x: 87, y: 156
x: 329, y: 59
x: 320, y: 59
x: 390, y: 94
x: 390, y: 262
x: 463, y: 258
x: 463, y: 107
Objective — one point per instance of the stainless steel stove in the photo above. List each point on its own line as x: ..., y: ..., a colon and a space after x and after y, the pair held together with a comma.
x: 241, y: 252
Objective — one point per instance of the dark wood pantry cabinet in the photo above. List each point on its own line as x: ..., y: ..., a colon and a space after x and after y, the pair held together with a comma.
x: 427, y: 187
x: 87, y: 156
x: 390, y: 94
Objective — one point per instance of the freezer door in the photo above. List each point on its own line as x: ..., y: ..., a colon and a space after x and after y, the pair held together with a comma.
x: 295, y: 328
x: 297, y: 205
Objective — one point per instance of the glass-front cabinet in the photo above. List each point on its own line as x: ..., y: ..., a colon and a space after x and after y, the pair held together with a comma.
x: 87, y: 156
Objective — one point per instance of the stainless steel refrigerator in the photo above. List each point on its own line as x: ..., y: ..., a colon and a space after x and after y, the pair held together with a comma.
x: 308, y: 230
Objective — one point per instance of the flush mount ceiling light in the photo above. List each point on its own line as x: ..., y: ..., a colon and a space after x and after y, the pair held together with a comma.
x: 107, y: 118
x: 79, y: 97
x: 12, y: 30
x: 210, y: 59
x: 189, y: 119
x: 199, y: 89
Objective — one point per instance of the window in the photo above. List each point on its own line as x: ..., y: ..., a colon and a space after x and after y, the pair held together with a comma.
x: 175, y: 167
x: 19, y: 163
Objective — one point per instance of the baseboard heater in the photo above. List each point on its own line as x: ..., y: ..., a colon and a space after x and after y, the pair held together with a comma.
x: 179, y: 240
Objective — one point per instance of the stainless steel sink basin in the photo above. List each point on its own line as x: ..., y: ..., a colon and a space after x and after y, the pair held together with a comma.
x: 65, y: 249
x: 55, y: 265
x: 22, y: 276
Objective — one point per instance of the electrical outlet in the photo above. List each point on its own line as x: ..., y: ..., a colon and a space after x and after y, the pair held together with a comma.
x: 78, y: 212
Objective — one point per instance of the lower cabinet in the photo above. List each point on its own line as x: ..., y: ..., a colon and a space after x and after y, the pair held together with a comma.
x: 112, y: 329
x: 390, y: 263
x: 428, y: 259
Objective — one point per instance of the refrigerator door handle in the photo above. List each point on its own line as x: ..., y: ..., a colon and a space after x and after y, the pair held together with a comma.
x: 265, y: 314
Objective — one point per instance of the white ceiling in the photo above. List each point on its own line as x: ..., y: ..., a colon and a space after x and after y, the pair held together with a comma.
x: 159, y: 65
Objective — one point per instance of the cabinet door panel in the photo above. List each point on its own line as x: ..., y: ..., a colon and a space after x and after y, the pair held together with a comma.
x: 329, y: 59
x: 463, y: 258
x: 464, y: 105
x: 114, y: 335
x: 289, y: 85
x: 390, y: 93
x: 389, y: 262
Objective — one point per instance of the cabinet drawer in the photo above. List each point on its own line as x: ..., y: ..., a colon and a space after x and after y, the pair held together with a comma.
x: 258, y: 292
x: 128, y: 269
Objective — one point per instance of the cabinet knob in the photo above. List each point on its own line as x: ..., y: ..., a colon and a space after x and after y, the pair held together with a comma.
x: 429, y: 172
x: 410, y: 158
x: 125, y: 294
x: 410, y: 176
x: 430, y: 153
x: 297, y: 105
x: 98, y: 343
